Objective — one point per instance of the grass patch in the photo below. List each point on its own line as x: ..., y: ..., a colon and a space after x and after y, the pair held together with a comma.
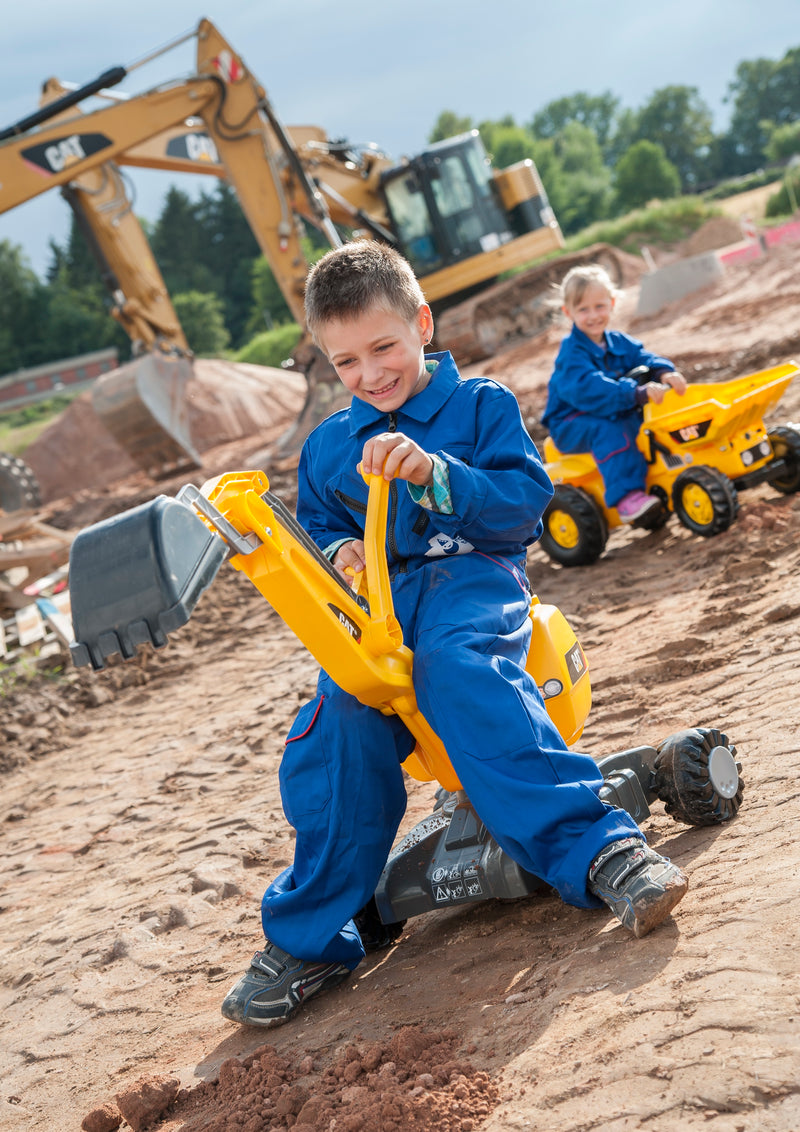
x: 656, y: 226
x: 20, y: 427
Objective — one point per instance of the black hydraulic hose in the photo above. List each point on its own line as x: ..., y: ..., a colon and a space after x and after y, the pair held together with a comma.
x: 109, y: 78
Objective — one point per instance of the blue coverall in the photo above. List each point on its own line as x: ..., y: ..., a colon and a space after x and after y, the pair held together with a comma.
x: 461, y: 595
x: 591, y: 407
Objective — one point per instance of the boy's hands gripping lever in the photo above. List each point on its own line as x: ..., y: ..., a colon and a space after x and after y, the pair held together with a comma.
x: 396, y: 456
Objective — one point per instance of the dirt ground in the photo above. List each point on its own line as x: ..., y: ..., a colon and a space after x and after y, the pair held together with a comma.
x: 141, y: 820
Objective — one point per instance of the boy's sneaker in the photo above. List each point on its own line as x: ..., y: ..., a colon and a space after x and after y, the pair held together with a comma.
x: 634, y: 506
x: 276, y: 986
x: 640, y: 887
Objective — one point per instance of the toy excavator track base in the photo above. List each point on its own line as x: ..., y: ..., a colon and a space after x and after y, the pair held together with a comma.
x: 449, y: 859
x: 144, y: 405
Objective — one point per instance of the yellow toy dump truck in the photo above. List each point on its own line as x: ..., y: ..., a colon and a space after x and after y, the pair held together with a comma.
x: 701, y: 449
x: 137, y: 577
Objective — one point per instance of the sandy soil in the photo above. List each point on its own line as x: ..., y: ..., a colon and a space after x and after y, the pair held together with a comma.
x: 141, y: 819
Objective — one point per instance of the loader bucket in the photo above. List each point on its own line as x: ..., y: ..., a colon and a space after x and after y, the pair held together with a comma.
x: 136, y: 577
x: 144, y: 405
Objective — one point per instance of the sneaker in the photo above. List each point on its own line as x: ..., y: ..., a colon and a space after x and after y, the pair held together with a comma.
x: 276, y: 985
x: 640, y: 887
x: 636, y: 505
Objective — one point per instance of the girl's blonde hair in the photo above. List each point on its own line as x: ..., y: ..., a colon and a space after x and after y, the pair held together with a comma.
x: 578, y: 280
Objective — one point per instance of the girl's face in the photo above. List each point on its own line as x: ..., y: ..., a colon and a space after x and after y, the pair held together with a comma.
x: 592, y: 312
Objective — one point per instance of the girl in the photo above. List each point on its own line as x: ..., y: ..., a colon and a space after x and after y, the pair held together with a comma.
x: 591, y: 405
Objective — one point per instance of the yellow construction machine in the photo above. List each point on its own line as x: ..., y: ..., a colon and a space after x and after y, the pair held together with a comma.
x: 460, y: 223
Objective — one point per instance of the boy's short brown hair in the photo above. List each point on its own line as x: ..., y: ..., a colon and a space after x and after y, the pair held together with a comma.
x: 357, y: 277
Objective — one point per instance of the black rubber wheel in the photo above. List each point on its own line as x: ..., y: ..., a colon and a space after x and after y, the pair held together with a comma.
x: 704, y: 500
x: 19, y: 488
x: 374, y: 934
x: 655, y: 520
x: 698, y: 778
x: 575, y: 531
x: 785, y: 442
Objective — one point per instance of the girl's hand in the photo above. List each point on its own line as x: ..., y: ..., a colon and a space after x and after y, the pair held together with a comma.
x: 396, y: 455
x: 350, y: 559
x: 675, y: 380
x: 655, y: 391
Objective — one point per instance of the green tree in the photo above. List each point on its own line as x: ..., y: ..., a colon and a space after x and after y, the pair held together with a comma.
x: 269, y: 307
x: 678, y: 119
x: 229, y: 252
x: 585, y: 181
x: 202, y: 318
x: 179, y: 245
x: 784, y: 142
x: 597, y: 111
x: 644, y: 173
x: 449, y: 125
x: 506, y: 142
x: 22, y: 310
x: 765, y: 94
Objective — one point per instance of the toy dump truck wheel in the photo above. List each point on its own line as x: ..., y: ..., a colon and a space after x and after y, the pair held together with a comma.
x: 19, y: 488
x: 705, y: 501
x: 697, y: 777
x: 785, y: 442
x: 575, y: 531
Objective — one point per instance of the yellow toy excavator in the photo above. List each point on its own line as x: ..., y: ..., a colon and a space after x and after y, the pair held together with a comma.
x: 137, y: 577
x: 460, y: 223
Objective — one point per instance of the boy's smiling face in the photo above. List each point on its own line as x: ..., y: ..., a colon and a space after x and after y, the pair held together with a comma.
x: 378, y: 355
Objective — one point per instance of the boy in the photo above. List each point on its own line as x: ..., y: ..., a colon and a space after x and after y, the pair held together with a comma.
x: 591, y: 405
x: 467, y: 494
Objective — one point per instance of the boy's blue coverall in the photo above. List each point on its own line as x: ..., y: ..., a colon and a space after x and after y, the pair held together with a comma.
x: 592, y: 407
x: 461, y: 595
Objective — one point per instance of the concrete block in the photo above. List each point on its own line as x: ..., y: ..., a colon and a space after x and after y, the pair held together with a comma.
x: 672, y: 282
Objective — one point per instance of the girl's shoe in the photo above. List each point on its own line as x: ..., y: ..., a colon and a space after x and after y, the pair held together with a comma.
x: 635, y: 505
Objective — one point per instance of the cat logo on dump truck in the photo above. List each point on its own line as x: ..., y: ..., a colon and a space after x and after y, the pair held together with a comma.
x: 690, y: 432
x: 58, y: 154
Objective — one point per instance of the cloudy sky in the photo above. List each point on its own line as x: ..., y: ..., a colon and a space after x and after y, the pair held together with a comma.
x: 383, y: 72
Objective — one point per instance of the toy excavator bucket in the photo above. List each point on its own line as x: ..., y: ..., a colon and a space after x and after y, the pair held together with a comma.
x: 144, y: 405
x: 136, y: 577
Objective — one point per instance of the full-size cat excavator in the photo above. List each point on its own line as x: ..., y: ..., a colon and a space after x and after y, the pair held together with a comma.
x: 460, y: 223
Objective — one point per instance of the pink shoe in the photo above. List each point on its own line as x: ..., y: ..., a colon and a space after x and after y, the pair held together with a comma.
x: 635, y: 505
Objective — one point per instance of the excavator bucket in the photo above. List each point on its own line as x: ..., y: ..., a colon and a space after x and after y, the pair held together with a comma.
x: 136, y: 577
x: 144, y: 405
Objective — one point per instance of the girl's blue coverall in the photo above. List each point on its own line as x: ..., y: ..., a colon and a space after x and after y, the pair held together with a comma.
x: 461, y: 594
x: 592, y: 407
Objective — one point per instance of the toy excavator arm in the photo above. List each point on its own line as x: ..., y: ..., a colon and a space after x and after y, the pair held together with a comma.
x: 137, y: 577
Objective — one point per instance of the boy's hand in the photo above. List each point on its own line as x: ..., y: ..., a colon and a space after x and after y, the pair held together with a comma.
x: 676, y: 380
x: 350, y: 558
x: 396, y: 455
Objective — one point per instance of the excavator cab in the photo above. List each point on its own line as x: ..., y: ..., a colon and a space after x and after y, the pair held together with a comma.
x: 447, y: 204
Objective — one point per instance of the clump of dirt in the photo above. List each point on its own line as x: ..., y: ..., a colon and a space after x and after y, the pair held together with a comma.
x: 717, y: 232
x: 415, y: 1082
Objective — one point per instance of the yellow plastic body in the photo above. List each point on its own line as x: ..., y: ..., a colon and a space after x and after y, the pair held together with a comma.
x: 711, y: 424
x: 364, y: 651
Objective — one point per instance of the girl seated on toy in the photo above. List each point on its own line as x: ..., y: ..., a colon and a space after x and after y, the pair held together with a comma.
x: 592, y: 406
